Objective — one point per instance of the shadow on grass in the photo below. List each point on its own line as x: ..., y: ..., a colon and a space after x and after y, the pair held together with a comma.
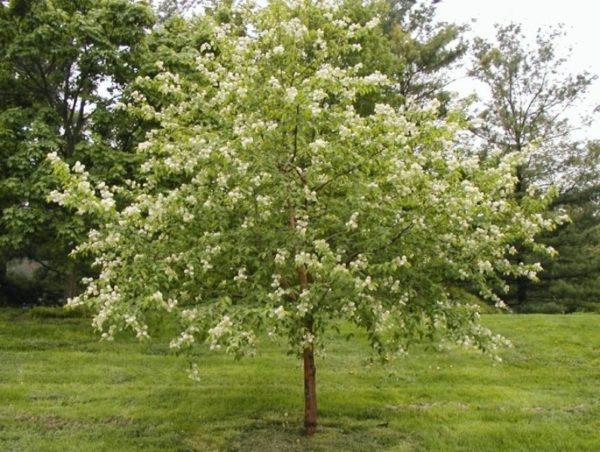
x: 346, y: 434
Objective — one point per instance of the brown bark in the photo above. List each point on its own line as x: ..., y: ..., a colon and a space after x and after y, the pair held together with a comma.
x: 310, y: 372
x: 310, y: 392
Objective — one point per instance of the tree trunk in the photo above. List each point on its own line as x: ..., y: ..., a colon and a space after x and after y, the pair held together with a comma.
x: 310, y: 383
x: 310, y: 392
x: 522, y: 284
x: 70, y: 289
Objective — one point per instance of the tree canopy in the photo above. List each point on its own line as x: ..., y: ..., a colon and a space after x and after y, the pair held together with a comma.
x: 270, y: 203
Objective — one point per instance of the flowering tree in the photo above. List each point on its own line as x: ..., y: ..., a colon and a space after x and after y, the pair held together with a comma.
x: 270, y: 207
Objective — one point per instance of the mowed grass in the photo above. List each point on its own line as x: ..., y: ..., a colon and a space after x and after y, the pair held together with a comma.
x: 63, y: 390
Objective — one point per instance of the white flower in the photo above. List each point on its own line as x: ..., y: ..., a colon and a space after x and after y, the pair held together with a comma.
x: 320, y: 43
x: 296, y: 28
x: 372, y: 23
x: 278, y: 50
x: 351, y: 223
x: 107, y: 203
x: 400, y: 261
x: 376, y: 78
x: 291, y: 94
x: 500, y: 304
x: 281, y: 256
x: 274, y: 82
x: 235, y: 194
x: 222, y: 328
x: 433, y: 105
x: 318, y: 144
x: 308, y: 338
x: 309, y: 195
x: 194, y: 372
x: 302, y: 258
x: 276, y: 283
x: 247, y: 141
x: 189, y: 315
x: 532, y: 189
x: 57, y: 197
x: 321, y: 246
x: 279, y: 313
x: 84, y: 185
x: 263, y: 200
x: 485, y: 267
x: 78, y: 167
x: 301, y: 225
x: 241, y: 275
x: 171, y: 303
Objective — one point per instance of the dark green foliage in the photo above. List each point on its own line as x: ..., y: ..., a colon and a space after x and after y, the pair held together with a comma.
x: 572, y: 280
x: 63, y: 65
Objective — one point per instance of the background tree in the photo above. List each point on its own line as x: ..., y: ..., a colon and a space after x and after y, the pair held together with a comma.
x: 416, y: 52
x: 424, y: 49
x: 571, y: 281
x: 63, y: 65
x: 270, y: 205
x: 169, y: 9
x: 531, y: 103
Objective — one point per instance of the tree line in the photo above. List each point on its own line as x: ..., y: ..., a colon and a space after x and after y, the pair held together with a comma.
x: 70, y: 69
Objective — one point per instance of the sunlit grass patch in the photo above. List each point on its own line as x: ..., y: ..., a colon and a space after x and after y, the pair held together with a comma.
x: 62, y: 389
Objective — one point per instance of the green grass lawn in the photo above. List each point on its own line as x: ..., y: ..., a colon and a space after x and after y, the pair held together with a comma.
x: 61, y: 389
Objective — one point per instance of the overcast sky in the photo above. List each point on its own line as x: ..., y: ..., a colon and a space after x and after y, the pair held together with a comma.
x: 580, y: 18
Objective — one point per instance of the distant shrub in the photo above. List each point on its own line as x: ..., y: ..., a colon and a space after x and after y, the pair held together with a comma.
x: 550, y: 307
x: 588, y: 307
x: 56, y: 312
x: 38, y: 288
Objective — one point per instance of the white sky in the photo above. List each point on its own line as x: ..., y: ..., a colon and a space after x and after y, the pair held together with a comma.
x: 580, y: 18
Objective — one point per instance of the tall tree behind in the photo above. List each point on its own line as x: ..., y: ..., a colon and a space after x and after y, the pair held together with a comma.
x: 168, y: 9
x: 571, y: 282
x: 416, y: 52
x: 531, y: 105
x: 424, y: 49
x: 63, y: 66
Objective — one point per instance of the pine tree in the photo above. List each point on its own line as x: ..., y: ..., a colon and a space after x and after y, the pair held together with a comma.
x: 530, y: 98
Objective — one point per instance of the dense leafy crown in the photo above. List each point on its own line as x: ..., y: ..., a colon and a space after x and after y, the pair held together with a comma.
x: 268, y: 204
x: 63, y: 65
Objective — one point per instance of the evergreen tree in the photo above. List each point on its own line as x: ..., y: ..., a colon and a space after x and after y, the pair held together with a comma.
x: 531, y: 98
x: 424, y: 50
x: 571, y: 282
